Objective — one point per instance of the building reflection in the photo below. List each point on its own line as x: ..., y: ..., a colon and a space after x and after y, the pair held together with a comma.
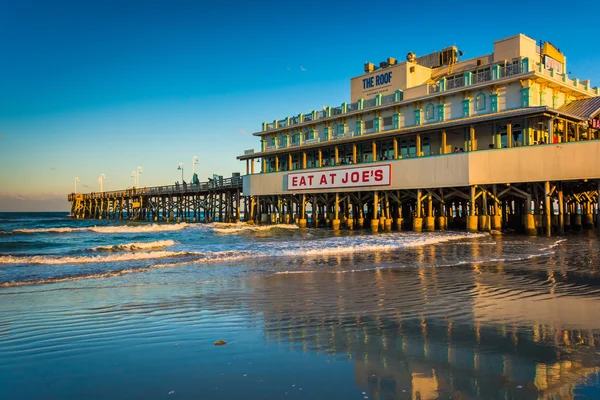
x: 425, y: 333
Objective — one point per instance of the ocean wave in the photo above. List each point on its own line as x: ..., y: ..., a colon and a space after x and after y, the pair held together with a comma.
x: 229, y: 228
x: 107, y: 229
x: 374, y: 243
x: 136, y: 246
x: 109, y: 274
x: 55, y: 260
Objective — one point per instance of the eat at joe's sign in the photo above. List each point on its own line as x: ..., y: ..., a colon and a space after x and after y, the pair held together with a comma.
x: 380, y: 175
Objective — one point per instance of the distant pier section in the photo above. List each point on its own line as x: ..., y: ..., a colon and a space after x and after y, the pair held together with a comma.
x: 216, y: 200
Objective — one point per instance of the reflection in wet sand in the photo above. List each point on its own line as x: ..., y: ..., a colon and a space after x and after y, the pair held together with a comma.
x: 427, y: 322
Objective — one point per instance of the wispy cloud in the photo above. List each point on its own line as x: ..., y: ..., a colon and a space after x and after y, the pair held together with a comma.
x: 86, y: 186
x: 53, y: 168
x: 302, y: 69
x: 288, y: 68
x: 243, y: 132
x: 30, y: 196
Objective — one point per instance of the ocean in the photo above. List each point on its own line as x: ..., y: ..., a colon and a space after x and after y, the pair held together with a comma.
x: 96, y: 309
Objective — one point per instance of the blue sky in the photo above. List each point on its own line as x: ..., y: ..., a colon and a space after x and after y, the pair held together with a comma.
x: 91, y: 87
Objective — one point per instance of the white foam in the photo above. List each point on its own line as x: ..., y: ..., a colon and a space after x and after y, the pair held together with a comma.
x: 137, y: 245
x: 109, y: 229
x: 373, y: 243
x: 553, y: 245
x: 226, y: 228
x: 55, y: 260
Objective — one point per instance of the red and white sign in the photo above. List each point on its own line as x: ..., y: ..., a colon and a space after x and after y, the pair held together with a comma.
x: 595, y: 123
x: 380, y: 175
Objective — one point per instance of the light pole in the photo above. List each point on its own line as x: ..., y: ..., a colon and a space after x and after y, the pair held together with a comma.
x: 181, y: 168
x: 100, y: 179
x: 75, y: 188
x: 134, y: 178
x: 194, y: 161
x: 139, y: 171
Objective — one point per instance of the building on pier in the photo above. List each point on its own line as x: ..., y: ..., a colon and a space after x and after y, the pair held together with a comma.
x: 505, y: 139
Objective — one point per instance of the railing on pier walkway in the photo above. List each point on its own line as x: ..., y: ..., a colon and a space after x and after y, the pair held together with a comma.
x: 176, y: 189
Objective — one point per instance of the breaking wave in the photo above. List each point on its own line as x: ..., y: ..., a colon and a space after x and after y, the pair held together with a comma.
x: 108, y: 229
x: 242, y: 227
x: 136, y: 246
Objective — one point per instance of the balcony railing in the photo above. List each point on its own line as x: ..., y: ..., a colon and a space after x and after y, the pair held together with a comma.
x: 510, y: 70
x: 434, y: 88
x: 308, y: 117
x: 282, y: 123
x: 389, y: 99
x: 272, y: 147
x: 370, y: 103
x: 336, y: 111
x: 482, y: 76
x: 352, y: 107
x: 347, y: 135
x: 455, y: 82
x: 311, y: 141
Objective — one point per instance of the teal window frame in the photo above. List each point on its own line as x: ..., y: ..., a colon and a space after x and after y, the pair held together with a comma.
x: 466, y: 108
x: 480, y: 102
x: 429, y: 112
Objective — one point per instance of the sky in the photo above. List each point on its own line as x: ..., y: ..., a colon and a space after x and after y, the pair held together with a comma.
x: 102, y: 87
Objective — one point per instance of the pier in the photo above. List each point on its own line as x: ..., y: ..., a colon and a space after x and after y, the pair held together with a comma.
x: 503, y: 141
x: 217, y: 200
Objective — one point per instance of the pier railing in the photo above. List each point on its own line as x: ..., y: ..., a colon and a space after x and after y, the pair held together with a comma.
x: 176, y: 189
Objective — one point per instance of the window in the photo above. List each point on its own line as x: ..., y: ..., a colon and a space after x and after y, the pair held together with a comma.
x: 426, y: 144
x: 412, y: 148
x: 388, y: 121
x: 480, y: 102
x: 368, y: 125
x: 404, y: 149
x: 429, y: 111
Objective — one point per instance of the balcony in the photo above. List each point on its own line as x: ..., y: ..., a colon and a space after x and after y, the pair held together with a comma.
x: 347, y: 135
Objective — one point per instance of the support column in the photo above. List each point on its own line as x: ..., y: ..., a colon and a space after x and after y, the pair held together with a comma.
x: 320, y: 158
x: 303, y: 160
x: 472, y: 220
x: 388, y: 218
x: 547, y: 209
x: 252, y: 166
x: 247, y: 167
x: 472, y: 138
x: 302, y: 216
x: 484, y: 218
x: 353, y: 153
x: 430, y: 219
x: 350, y: 219
x: 337, y: 155
x: 508, y: 135
x: 276, y: 163
x: 374, y: 150
x: 336, y: 219
x: 375, y: 219
x: 530, y: 228
x: 419, y: 148
x: 497, y: 211
x: 395, y: 148
x: 444, y: 145
x: 561, y: 211
x: 290, y: 162
x: 417, y: 220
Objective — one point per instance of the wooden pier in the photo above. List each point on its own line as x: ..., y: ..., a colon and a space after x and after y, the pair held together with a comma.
x: 217, y: 200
